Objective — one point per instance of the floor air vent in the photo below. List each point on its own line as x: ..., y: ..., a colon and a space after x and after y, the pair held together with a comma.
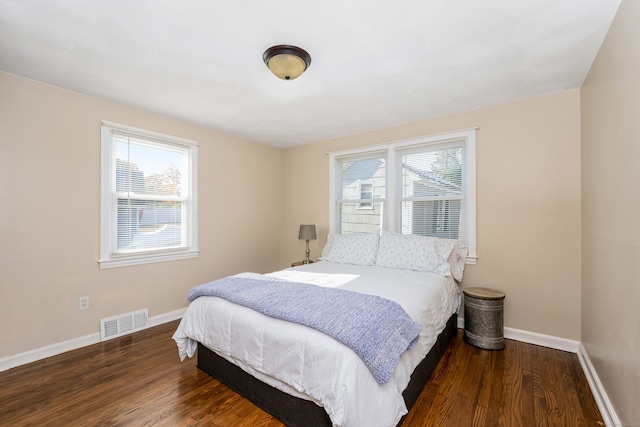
x: 123, y: 324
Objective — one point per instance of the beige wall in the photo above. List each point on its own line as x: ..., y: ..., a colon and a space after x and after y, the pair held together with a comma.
x: 528, y: 187
x: 49, y: 216
x: 611, y: 213
x: 528, y: 191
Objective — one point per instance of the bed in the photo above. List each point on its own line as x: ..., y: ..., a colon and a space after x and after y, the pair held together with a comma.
x: 305, y: 377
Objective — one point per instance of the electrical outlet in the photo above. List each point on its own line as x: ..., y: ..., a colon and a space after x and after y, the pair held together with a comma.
x: 84, y: 303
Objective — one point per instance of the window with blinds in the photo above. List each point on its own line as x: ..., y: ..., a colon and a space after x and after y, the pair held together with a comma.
x: 433, y: 193
x: 423, y: 186
x: 148, y: 211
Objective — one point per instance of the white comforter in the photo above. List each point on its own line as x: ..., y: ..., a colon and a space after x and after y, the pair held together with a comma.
x: 309, y: 364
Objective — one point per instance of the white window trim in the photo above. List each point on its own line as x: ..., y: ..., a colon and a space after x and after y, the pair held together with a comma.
x: 469, y: 137
x: 107, y: 259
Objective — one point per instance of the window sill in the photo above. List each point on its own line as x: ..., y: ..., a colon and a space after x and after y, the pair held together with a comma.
x: 147, y: 259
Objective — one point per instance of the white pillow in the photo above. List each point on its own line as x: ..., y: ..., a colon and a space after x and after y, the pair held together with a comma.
x: 327, y: 247
x: 413, y: 252
x: 457, y: 260
x: 356, y: 248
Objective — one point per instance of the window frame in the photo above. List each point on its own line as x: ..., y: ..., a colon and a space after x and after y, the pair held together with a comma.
x: 392, y: 216
x: 108, y: 258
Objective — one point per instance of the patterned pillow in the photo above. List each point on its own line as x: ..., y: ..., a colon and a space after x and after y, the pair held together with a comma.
x: 356, y: 248
x: 413, y: 252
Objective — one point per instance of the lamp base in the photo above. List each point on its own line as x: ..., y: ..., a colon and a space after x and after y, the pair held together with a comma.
x: 307, y: 260
x: 299, y: 263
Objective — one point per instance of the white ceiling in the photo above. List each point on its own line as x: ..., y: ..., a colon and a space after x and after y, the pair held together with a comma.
x: 375, y: 63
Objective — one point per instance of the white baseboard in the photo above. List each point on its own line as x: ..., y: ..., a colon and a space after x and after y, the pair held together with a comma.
x: 541, y: 339
x: 9, y: 362
x: 607, y: 411
x: 536, y: 338
x: 167, y: 317
x: 48, y: 351
x: 609, y: 415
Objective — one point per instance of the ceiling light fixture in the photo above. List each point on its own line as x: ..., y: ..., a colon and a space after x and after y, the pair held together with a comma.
x: 286, y: 62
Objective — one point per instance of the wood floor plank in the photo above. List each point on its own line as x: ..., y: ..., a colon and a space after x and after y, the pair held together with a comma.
x: 138, y: 380
x: 512, y: 409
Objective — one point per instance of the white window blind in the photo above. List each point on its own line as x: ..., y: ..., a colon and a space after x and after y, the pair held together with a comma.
x: 433, y: 193
x: 148, y: 197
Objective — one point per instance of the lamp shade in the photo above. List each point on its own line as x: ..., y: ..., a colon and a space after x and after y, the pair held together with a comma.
x: 307, y: 232
x: 286, y: 62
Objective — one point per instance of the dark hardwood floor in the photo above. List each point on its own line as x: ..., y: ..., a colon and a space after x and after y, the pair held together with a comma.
x: 138, y: 380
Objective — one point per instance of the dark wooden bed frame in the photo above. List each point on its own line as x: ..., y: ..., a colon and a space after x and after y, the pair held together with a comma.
x: 297, y: 412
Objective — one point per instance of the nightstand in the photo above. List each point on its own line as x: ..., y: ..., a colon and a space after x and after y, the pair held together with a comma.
x: 483, y: 318
x: 297, y: 263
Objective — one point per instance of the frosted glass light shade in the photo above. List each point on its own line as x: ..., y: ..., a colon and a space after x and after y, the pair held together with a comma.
x: 287, y: 67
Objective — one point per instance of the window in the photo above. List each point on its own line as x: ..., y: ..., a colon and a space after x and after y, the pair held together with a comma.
x: 366, y: 193
x: 361, y: 211
x: 432, y: 190
x: 423, y: 186
x: 148, y: 197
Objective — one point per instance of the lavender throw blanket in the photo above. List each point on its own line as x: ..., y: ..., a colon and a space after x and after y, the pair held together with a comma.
x: 377, y: 329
